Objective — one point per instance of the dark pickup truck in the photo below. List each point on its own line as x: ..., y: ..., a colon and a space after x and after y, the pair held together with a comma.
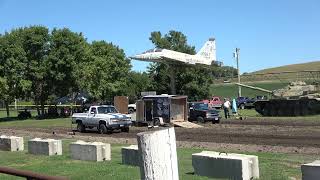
x: 199, y: 111
x: 248, y: 103
x: 245, y: 102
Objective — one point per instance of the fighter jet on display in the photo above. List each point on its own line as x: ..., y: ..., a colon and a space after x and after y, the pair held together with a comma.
x: 206, y: 55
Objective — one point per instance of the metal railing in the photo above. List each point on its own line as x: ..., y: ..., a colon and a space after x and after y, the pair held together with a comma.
x: 29, y: 175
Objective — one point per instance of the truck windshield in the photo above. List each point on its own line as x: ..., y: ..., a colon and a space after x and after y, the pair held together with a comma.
x: 201, y: 106
x: 105, y: 110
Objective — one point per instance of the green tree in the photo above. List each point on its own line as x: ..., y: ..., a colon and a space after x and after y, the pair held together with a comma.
x: 35, y: 42
x: 193, y: 81
x: 13, y: 61
x: 68, y: 51
x: 105, y: 74
x: 136, y: 83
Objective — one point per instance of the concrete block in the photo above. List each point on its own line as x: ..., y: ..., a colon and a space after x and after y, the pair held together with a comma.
x: 158, y: 154
x: 11, y: 143
x: 311, y: 171
x: 130, y: 155
x: 90, y: 151
x: 222, y: 165
x: 47, y: 147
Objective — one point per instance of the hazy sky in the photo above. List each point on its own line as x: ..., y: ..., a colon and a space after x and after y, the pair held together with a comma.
x: 268, y: 32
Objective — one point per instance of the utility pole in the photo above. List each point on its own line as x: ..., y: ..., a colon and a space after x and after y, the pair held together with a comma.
x: 236, y: 55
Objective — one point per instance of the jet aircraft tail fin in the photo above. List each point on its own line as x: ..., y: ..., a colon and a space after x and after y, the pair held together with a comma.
x: 208, y: 50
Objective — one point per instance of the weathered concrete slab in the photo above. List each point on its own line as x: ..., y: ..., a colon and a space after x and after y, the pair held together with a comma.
x: 222, y: 165
x: 90, y: 151
x: 158, y: 155
x: 130, y: 155
x: 11, y: 143
x: 311, y: 171
x: 47, y: 147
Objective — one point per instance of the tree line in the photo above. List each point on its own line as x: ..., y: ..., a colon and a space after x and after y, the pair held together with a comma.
x: 42, y: 65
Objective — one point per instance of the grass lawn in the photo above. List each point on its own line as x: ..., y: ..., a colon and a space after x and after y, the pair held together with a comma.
x: 253, y: 114
x: 272, y: 165
x: 45, y: 123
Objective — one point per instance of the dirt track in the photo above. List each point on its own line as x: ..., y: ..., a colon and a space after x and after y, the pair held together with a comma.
x: 296, y: 133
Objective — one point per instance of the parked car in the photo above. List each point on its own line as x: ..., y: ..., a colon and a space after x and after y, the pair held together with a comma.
x: 214, y: 102
x: 199, y: 111
x: 105, y: 118
x: 245, y: 102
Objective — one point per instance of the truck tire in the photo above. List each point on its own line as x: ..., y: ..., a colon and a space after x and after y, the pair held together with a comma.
x: 125, y: 129
x: 242, y: 106
x: 200, y: 119
x: 80, y: 127
x: 103, y: 129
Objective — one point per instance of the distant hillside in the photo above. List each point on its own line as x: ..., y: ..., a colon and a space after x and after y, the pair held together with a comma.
x: 286, y: 73
x: 293, y: 67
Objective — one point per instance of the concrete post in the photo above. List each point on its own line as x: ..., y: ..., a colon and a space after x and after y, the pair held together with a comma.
x: 90, y: 151
x: 11, y: 143
x: 158, y: 155
x: 130, y: 155
x: 47, y: 147
x: 311, y: 171
x: 222, y: 165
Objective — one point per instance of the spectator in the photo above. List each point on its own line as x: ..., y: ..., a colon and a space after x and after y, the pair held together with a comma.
x: 226, y: 106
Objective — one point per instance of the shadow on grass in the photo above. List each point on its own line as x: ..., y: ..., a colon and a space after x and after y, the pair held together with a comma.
x: 6, y: 119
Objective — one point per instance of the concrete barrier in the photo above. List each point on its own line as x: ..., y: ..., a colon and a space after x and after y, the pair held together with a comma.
x: 130, y: 155
x: 222, y: 165
x: 158, y: 154
x: 90, y: 151
x: 311, y: 171
x: 11, y: 143
x: 47, y: 147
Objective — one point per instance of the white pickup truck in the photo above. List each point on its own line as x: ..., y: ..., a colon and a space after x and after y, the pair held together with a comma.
x: 105, y: 118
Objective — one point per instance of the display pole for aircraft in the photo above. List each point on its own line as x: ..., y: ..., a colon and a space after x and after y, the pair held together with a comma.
x: 236, y: 54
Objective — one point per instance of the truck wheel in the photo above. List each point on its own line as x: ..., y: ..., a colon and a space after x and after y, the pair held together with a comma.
x: 125, y: 129
x: 200, y: 119
x: 130, y: 110
x: 214, y: 121
x: 80, y: 127
x: 103, y: 129
x: 241, y: 106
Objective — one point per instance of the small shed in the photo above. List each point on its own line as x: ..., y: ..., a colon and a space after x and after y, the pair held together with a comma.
x: 169, y: 107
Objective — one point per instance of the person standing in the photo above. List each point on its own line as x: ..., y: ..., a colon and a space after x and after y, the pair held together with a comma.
x: 226, y: 106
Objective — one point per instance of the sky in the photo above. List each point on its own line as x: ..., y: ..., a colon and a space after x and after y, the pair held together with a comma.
x: 269, y: 33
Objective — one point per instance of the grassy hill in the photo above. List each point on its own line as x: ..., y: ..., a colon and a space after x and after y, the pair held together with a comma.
x: 231, y: 90
x: 268, y: 81
x: 286, y: 73
x: 315, y: 65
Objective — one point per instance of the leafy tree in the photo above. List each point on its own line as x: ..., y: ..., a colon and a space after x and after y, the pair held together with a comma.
x: 193, y: 81
x: 104, y: 75
x: 136, y: 83
x: 35, y: 43
x: 13, y: 83
x: 68, y: 50
x: 224, y: 72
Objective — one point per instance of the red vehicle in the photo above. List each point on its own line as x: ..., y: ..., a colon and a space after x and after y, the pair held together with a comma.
x: 214, y: 102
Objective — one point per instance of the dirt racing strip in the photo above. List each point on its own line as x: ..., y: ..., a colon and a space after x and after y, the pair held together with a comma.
x: 239, y: 134
x: 250, y: 147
